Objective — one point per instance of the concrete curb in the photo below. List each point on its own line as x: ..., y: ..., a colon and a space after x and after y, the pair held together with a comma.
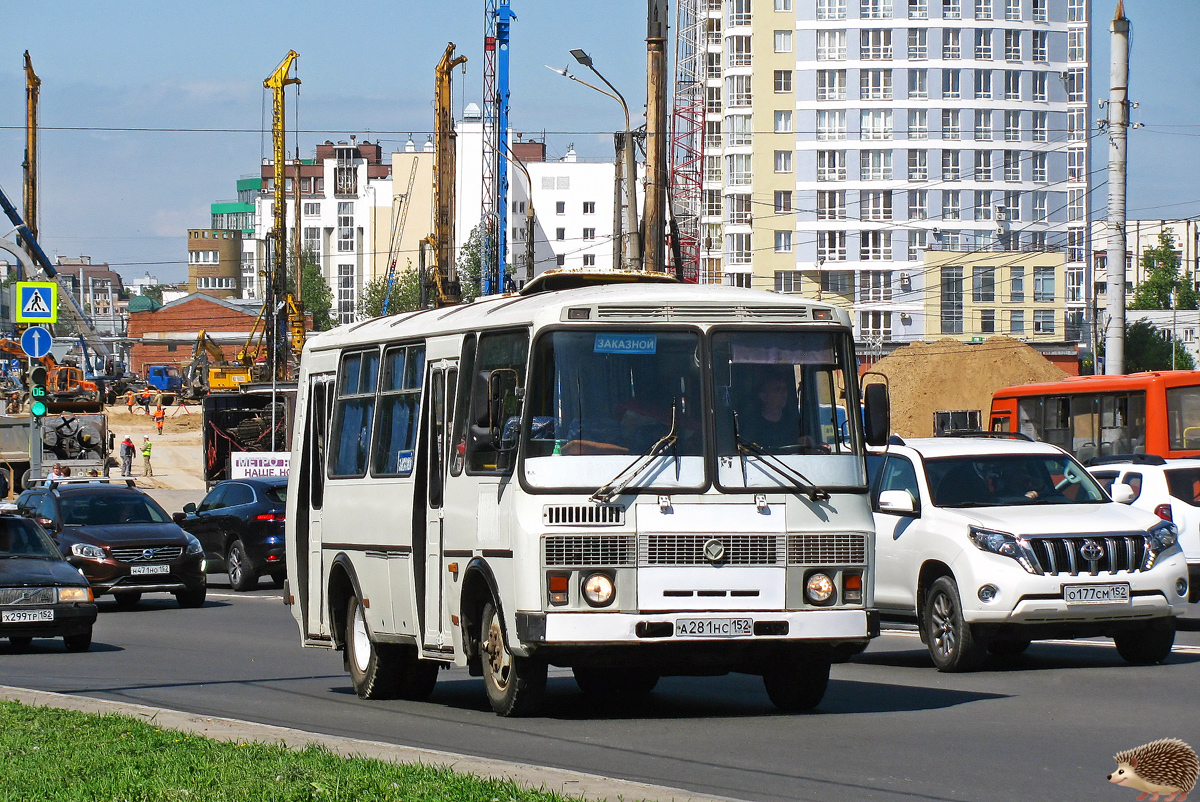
x: 561, y: 781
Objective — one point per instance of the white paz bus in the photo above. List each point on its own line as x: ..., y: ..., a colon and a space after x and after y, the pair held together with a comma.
x: 628, y: 476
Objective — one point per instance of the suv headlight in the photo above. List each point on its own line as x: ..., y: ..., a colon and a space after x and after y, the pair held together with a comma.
x: 88, y: 552
x: 1159, y: 538
x: 1004, y: 544
x: 194, y: 546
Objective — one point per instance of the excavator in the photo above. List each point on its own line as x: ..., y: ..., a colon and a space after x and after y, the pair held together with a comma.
x: 67, y: 388
x: 208, y: 371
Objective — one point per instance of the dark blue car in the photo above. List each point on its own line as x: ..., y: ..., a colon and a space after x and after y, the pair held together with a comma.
x: 240, y: 525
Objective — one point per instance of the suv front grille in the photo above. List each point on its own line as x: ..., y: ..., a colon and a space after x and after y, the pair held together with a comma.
x: 589, y: 550
x: 146, y: 554
x: 689, y: 549
x: 1065, y: 555
x: 27, y: 596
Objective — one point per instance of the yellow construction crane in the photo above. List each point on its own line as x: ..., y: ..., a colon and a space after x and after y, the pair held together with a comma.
x: 282, y: 351
x: 446, y: 289
x: 33, y: 86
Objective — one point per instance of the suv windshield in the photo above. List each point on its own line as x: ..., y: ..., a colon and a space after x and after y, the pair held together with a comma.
x: 1010, y: 481
x: 109, y: 510
x: 22, y: 538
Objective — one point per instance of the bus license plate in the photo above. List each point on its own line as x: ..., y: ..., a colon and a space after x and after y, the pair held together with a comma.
x: 714, y: 627
x: 139, y: 570
x: 26, y: 616
x: 1115, y: 593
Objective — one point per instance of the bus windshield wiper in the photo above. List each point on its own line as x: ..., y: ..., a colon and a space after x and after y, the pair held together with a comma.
x: 778, y: 466
x: 615, y: 486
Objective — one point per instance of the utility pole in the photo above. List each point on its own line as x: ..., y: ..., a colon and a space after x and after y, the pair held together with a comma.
x: 1118, y: 129
x: 655, y: 205
x: 618, y: 178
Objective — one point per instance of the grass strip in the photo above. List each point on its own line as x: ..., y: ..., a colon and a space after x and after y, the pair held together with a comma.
x: 61, y: 755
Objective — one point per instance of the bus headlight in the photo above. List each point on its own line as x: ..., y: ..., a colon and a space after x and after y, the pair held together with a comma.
x: 819, y: 588
x: 598, y: 589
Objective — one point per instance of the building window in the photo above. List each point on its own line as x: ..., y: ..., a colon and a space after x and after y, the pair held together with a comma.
x: 875, y: 85
x: 918, y: 84
x: 876, y: 124
x: 1012, y: 84
x: 737, y: 209
x: 831, y: 165
x: 312, y: 210
x: 783, y: 5
x: 831, y: 9
x: 876, y: 246
x: 560, y: 207
x: 783, y: 41
x: 875, y: 44
x: 1075, y: 242
x: 560, y: 234
x: 738, y: 130
x: 952, y: 300
x: 918, y: 204
x: 839, y: 281
x: 713, y: 65
x: 875, y: 286
x: 738, y: 91
x: 1012, y: 10
x: 1011, y: 206
x: 712, y: 134
x: 918, y: 124
x: 876, y: 9
x: 951, y: 204
x: 983, y: 44
x: 951, y: 124
x: 831, y: 84
x: 788, y: 281
x: 1016, y: 284
x: 312, y: 242
x: 345, y: 227
x: 831, y: 205
x: 712, y: 169
x: 952, y: 9
x: 831, y: 124
x: 1012, y: 45
x: 737, y: 248
x: 831, y: 45
x: 783, y: 122
x: 1043, y: 284
x: 737, y: 49
x: 589, y: 260
x: 1075, y: 205
x: 875, y: 165
x: 1040, y: 126
x: 951, y: 84
x: 783, y: 242
x: 589, y: 207
x: 983, y: 165
x: 983, y: 84
x: 1039, y: 87
x: 1012, y: 126
x: 983, y: 204
x: 875, y: 204
x: 783, y: 161
x: 951, y: 166
x: 1016, y: 321
x: 918, y: 44
x: 712, y: 203
x: 918, y: 9
x: 783, y: 81
x: 740, y: 169
x: 951, y: 43
x: 1012, y: 165
x: 589, y: 233
x: 346, y: 292
x: 1076, y: 10
x: 987, y: 321
x: 875, y: 325
x: 1039, y: 206
x: 560, y: 260
x: 918, y: 165
x: 831, y: 246
x: 983, y: 9
x: 712, y: 99
x: 1043, y: 321
x: 739, y: 12
x: 917, y: 242
x: 1076, y: 164
x: 1076, y: 86
x: 983, y: 125
x: 983, y: 285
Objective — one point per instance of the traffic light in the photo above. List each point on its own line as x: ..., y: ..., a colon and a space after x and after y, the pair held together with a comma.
x: 37, y: 391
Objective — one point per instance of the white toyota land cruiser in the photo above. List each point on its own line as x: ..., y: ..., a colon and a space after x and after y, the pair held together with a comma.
x: 989, y: 543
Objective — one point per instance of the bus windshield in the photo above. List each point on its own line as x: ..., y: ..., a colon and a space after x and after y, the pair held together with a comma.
x: 603, y: 400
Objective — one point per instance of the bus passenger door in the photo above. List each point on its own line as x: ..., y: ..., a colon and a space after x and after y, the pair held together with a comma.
x: 436, y: 636
x: 311, y: 579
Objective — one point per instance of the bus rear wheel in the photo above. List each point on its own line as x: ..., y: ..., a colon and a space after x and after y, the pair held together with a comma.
x: 515, y: 685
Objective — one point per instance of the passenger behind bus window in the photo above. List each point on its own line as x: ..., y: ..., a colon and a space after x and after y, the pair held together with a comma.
x: 772, y: 418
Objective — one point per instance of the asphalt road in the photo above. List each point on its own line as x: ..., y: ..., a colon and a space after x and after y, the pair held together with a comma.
x: 891, y: 728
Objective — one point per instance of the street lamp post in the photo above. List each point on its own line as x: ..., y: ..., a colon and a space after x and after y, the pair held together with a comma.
x: 632, y: 249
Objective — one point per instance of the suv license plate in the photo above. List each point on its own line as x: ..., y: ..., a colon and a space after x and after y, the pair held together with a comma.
x: 714, y: 627
x: 1115, y: 593
x: 26, y: 616
x: 138, y: 570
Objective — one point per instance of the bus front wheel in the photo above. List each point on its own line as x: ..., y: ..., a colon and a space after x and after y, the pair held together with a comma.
x: 797, y: 684
x: 372, y: 672
x: 515, y: 685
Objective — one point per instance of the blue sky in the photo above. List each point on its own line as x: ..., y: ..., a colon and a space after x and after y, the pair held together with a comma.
x: 126, y: 197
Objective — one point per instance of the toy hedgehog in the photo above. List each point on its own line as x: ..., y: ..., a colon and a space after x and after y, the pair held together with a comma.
x: 1165, y: 767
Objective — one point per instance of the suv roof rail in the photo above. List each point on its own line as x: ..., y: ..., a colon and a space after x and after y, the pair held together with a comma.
x: 986, y: 433
x: 87, y: 480
x: 1136, y: 459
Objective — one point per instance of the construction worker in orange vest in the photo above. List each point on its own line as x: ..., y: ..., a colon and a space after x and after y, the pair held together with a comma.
x: 129, y: 401
x: 159, y: 417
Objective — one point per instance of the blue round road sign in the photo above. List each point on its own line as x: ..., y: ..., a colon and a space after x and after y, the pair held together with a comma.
x: 36, y: 342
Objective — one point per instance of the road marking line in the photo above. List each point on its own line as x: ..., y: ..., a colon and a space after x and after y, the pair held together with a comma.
x: 242, y: 596
x: 1181, y: 649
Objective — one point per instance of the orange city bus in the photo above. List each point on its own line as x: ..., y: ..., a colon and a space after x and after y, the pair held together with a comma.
x: 1097, y: 416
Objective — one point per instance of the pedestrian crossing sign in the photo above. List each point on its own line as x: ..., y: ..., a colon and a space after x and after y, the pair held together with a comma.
x: 37, y: 302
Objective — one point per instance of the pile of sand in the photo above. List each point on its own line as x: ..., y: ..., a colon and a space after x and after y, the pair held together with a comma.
x: 949, y: 375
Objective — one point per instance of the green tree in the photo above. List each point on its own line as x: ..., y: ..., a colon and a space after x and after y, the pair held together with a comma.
x: 470, y: 260
x: 405, y: 295
x: 315, y: 296
x: 154, y: 292
x: 1147, y: 348
x: 1164, y: 288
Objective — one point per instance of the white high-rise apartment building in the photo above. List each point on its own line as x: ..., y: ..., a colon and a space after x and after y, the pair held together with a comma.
x: 846, y: 138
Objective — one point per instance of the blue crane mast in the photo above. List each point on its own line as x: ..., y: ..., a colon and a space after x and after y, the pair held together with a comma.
x: 498, y: 17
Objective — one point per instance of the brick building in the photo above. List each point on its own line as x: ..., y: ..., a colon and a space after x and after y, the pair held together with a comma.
x: 167, y: 335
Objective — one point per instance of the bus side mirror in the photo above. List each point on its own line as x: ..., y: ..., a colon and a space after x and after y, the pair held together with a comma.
x: 877, y: 414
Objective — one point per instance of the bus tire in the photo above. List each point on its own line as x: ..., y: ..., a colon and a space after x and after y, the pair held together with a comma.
x: 615, y: 681
x: 798, y: 684
x: 515, y: 685
x: 417, y: 677
x: 374, y: 667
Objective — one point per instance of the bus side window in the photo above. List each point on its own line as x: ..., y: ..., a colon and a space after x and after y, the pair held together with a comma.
x: 466, y: 372
x: 508, y: 350
x: 353, y: 414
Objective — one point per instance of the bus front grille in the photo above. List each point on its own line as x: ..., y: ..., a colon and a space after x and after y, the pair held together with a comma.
x: 1118, y: 551
x: 589, y: 550
x: 583, y: 514
x: 827, y: 548
x: 690, y: 549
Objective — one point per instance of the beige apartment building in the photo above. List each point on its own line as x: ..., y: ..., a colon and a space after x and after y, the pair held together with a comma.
x: 214, y: 262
